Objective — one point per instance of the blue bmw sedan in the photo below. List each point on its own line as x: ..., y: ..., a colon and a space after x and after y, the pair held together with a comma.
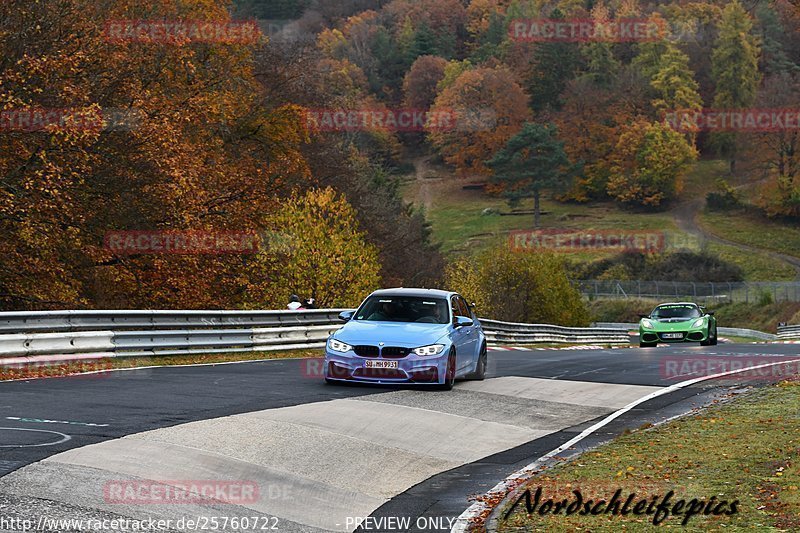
x: 424, y: 336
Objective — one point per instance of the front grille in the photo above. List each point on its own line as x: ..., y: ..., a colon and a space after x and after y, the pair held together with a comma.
x: 696, y: 336
x: 365, y: 350
x: 394, y: 352
x: 379, y: 373
x: 682, y: 336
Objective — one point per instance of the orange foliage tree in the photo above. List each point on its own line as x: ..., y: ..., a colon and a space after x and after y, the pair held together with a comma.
x: 199, y: 152
x: 490, y: 108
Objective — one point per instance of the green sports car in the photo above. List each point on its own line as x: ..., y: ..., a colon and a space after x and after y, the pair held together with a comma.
x: 678, y: 322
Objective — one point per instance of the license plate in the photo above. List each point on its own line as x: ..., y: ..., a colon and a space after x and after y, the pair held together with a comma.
x: 672, y: 335
x: 380, y: 364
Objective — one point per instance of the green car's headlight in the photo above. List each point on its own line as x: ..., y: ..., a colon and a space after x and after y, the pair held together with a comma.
x: 433, y: 349
x: 698, y: 323
x: 337, y: 346
x: 647, y: 324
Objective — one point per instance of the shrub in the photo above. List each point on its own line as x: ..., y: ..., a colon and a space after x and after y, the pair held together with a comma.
x: 518, y: 287
x: 725, y: 198
x: 682, y: 265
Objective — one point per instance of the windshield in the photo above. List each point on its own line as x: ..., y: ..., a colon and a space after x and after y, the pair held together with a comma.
x: 404, y: 309
x: 676, y: 311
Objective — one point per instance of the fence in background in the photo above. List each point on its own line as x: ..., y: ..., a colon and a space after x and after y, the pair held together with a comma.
x: 702, y: 292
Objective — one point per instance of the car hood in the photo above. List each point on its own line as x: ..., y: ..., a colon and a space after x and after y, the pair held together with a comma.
x: 407, y: 334
x: 668, y: 324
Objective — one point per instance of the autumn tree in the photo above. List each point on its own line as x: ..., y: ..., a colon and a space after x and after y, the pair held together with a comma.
x: 775, y: 154
x: 419, y: 85
x: 602, y: 67
x: 591, y: 122
x: 531, y: 161
x: 518, y: 287
x: 437, y: 25
x: 201, y: 154
x: 319, y: 252
x: 489, y: 108
x: 648, y: 164
x: 735, y: 70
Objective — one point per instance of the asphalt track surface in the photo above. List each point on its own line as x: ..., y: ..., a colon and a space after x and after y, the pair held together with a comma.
x: 332, y: 454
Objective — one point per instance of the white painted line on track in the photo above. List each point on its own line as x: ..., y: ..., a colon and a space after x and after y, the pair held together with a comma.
x: 64, y: 438
x: 506, y: 486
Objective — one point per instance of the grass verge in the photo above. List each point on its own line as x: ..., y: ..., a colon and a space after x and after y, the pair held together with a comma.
x: 756, y: 267
x: 752, y: 230
x: 67, y: 368
x: 747, y: 450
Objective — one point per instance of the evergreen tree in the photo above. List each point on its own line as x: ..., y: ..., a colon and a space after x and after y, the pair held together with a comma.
x: 674, y: 82
x: 532, y: 160
x: 775, y: 60
x: 423, y: 44
x: 490, y: 42
x: 556, y: 64
x: 734, y: 67
x: 602, y: 68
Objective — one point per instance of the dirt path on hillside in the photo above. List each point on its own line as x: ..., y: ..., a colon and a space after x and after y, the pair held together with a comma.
x: 425, y: 180
x: 685, y: 216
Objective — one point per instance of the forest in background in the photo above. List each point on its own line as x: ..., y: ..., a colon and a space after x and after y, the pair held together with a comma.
x: 222, y: 140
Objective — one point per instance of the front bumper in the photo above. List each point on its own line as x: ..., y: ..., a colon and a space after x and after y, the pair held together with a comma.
x: 688, y: 335
x: 410, y: 369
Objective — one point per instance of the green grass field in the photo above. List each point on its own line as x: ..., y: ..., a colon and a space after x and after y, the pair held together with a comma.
x: 753, y: 230
x: 459, y: 222
x: 746, y: 451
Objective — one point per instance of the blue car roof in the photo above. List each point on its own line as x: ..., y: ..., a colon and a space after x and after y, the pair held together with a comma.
x: 403, y: 291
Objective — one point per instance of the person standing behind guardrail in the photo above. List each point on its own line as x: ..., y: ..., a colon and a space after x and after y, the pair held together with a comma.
x: 294, y: 303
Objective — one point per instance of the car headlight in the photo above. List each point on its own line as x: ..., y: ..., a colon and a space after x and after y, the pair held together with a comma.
x: 698, y: 323
x: 432, y: 349
x: 647, y: 324
x: 337, y: 346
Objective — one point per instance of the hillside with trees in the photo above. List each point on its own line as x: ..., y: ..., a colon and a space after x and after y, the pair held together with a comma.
x: 224, y: 140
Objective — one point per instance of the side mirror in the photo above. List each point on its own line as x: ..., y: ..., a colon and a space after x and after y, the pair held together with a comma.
x: 644, y: 316
x: 473, y: 305
x: 710, y: 313
x: 345, y: 316
x: 462, y: 321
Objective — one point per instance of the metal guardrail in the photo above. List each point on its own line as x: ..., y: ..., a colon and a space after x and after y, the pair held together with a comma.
x: 516, y: 333
x: 734, y: 332
x: 152, y: 333
x: 789, y: 332
x: 53, y: 321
